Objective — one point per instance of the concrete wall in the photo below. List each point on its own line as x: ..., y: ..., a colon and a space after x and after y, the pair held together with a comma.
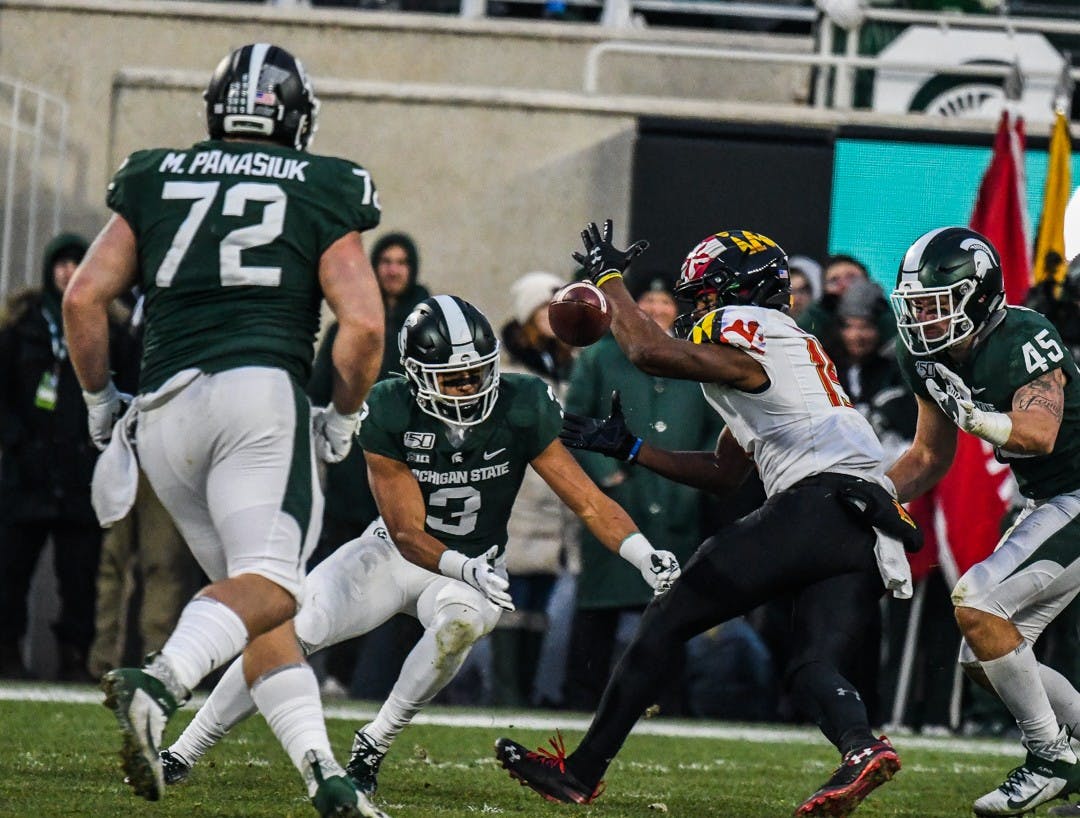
x: 476, y: 132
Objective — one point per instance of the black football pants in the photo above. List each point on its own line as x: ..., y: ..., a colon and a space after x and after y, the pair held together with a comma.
x: 801, y: 543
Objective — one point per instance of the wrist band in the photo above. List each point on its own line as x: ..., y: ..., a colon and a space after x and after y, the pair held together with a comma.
x: 608, y: 275
x: 630, y: 458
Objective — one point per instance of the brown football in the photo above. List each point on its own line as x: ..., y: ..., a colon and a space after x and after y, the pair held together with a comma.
x: 579, y: 314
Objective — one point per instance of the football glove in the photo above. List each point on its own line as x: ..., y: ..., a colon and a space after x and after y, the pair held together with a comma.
x: 103, y: 409
x: 602, y: 260
x: 480, y: 573
x: 609, y: 436
x: 954, y: 398
x: 659, y: 568
x: 334, y: 433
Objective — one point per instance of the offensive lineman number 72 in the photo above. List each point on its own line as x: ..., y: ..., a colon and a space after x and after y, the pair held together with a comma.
x: 201, y: 195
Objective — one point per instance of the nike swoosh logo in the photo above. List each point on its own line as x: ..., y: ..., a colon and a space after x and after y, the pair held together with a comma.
x: 978, y: 391
x: 489, y: 455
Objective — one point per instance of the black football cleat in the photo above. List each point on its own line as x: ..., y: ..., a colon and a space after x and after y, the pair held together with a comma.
x: 858, y: 775
x: 544, y: 771
x: 174, y: 767
x: 364, y: 761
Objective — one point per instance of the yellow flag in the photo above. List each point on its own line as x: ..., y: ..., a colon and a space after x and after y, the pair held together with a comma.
x: 1058, y: 187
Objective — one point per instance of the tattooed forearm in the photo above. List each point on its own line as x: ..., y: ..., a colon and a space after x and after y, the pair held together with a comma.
x: 1045, y: 392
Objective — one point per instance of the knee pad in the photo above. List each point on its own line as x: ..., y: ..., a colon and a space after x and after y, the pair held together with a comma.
x: 457, y: 628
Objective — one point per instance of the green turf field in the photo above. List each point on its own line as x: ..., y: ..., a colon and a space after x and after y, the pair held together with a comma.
x: 60, y: 758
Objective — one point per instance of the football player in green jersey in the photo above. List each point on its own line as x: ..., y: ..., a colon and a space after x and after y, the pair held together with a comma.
x: 1000, y: 373
x: 447, y: 447
x: 235, y: 241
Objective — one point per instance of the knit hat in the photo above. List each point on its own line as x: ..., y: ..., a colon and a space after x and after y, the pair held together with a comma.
x: 533, y: 290
x: 862, y: 299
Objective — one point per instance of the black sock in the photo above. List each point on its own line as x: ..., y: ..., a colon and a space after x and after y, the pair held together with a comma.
x: 834, y: 703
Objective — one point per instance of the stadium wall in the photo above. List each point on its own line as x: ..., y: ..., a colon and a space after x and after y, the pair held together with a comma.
x: 476, y: 133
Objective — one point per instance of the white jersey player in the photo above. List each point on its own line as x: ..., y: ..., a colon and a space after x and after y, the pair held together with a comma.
x: 814, y: 540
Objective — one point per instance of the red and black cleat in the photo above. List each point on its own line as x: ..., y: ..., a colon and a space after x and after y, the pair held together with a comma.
x: 545, y: 771
x: 858, y: 775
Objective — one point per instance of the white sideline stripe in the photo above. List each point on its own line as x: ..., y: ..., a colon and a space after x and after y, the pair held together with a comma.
x: 549, y: 720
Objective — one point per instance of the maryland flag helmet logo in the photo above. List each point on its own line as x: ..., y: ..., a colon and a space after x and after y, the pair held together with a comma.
x: 739, y: 267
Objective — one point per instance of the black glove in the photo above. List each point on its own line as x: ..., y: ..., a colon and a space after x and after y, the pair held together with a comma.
x: 601, y: 259
x: 608, y: 436
x: 876, y: 507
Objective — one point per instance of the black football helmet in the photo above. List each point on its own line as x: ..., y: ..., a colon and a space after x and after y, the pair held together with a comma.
x: 261, y: 90
x: 739, y: 267
x: 446, y: 340
x: 951, y: 274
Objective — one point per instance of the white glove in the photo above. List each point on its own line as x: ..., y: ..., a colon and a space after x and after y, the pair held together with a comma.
x: 479, y: 572
x: 847, y: 14
x: 955, y: 401
x: 103, y: 409
x: 659, y: 568
x: 334, y: 432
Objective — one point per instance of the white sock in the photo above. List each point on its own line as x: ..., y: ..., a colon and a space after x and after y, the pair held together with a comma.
x: 1016, y: 679
x: 207, y: 636
x: 1064, y: 698
x: 428, y: 668
x: 288, y: 698
x: 228, y: 705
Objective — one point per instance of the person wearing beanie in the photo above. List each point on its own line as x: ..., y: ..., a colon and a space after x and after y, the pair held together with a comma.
x: 47, y: 462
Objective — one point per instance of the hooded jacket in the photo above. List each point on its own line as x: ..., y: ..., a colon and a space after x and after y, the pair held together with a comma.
x: 47, y: 456
x: 414, y: 293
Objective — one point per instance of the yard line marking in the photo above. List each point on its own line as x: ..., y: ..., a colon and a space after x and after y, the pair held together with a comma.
x: 549, y: 720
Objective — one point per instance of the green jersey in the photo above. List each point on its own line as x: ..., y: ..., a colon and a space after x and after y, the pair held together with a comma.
x: 1024, y: 346
x: 468, y: 490
x: 229, y: 240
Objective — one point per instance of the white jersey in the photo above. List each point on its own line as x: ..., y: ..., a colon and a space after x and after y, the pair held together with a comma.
x: 803, y: 423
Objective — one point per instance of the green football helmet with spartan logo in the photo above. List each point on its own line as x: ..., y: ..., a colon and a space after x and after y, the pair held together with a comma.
x: 948, y: 287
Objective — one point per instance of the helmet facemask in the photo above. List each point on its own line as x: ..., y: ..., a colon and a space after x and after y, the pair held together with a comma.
x: 947, y: 304
x: 432, y: 384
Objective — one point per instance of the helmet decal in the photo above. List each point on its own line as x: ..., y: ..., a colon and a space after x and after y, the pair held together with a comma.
x: 732, y: 267
x: 980, y: 255
x: 261, y: 90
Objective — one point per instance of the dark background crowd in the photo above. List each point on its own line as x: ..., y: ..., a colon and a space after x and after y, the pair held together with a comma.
x: 114, y: 595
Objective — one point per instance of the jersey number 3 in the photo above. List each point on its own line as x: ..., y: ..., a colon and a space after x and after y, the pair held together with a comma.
x: 201, y: 195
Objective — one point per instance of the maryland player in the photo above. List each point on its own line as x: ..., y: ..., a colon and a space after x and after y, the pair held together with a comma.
x: 235, y: 241
x: 446, y: 447
x: 813, y: 539
x: 1003, y: 374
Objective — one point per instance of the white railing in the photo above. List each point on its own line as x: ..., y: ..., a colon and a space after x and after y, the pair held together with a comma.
x: 35, y: 157
x: 839, y: 68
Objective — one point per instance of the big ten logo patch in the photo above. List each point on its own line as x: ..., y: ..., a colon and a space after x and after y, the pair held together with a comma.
x: 417, y: 457
x: 420, y: 440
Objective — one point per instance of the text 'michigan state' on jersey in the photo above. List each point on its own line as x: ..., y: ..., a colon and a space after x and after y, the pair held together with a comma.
x: 469, y: 490
x: 229, y: 240
x: 803, y: 422
x: 1023, y: 346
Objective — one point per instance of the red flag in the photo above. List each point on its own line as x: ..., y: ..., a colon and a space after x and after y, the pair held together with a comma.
x: 970, y: 503
x: 972, y: 499
x: 1000, y: 211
